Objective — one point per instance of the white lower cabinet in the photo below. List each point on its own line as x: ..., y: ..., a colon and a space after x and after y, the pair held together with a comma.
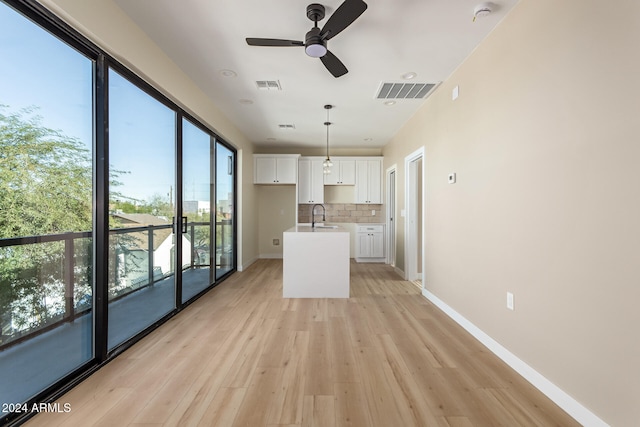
x: 370, y: 243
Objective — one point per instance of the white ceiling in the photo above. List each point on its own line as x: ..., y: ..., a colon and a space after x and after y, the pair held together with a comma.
x: 428, y: 37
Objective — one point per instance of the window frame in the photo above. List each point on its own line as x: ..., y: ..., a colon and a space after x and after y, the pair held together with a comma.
x: 102, y: 63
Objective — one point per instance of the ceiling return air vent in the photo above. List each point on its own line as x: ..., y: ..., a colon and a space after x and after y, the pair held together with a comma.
x: 268, y: 85
x: 404, y: 90
x: 287, y: 126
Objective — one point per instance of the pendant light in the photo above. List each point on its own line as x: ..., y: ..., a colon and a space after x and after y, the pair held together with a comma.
x: 327, y: 162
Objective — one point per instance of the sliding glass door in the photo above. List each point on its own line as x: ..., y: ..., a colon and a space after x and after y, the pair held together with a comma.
x: 197, y: 208
x: 46, y: 254
x: 142, y: 236
x: 225, y: 255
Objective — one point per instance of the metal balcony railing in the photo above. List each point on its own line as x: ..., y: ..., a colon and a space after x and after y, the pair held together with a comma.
x: 122, y: 281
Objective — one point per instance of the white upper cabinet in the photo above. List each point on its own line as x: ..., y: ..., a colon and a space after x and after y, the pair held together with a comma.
x: 369, y: 181
x: 275, y: 168
x: 310, y: 181
x: 343, y: 172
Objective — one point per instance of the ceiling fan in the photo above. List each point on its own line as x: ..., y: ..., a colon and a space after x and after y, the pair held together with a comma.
x: 315, y: 44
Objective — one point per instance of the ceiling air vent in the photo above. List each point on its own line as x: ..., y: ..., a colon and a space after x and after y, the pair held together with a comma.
x: 287, y: 126
x: 404, y: 90
x: 268, y: 85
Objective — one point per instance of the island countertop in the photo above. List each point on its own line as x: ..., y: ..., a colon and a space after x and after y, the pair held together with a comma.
x: 319, y: 228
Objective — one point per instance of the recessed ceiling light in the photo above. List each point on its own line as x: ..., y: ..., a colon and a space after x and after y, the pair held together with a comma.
x: 245, y: 101
x: 410, y: 75
x: 271, y: 139
x: 389, y: 103
x: 368, y: 139
x: 228, y: 73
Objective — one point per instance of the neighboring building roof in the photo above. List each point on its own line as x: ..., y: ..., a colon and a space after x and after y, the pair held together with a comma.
x: 140, y: 239
x: 137, y: 220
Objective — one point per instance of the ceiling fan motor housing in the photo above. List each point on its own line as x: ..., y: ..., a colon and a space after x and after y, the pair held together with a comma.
x: 314, y: 46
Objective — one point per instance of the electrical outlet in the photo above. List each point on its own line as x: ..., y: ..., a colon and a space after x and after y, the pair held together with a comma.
x: 276, y: 242
x: 373, y: 212
x: 510, y: 302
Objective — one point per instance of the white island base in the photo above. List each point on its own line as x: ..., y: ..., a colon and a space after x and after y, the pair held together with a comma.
x: 315, y: 262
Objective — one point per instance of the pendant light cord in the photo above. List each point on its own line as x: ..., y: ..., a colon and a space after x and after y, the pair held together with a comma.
x: 327, y: 163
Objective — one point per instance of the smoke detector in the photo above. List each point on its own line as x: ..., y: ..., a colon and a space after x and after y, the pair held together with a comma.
x: 482, y: 10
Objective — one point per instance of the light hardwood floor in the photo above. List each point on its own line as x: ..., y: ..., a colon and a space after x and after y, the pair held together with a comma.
x: 244, y: 356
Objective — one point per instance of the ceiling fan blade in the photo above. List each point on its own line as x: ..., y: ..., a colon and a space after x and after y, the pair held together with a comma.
x: 273, y: 42
x: 344, y: 16
x: 334, y: 65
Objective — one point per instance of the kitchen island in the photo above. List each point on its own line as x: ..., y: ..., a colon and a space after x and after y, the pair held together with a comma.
x: 316, y: 262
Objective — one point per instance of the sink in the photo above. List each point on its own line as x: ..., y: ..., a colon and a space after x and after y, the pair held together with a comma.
x: 326, y: 226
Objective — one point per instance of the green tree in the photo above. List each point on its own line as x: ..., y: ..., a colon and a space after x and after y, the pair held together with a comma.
x: 45, y: 178
x: 45, y: 188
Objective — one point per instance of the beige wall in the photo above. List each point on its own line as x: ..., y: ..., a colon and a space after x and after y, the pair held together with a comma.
x: 97, y: 20
x: 277, y: 213
x: 544, y: 141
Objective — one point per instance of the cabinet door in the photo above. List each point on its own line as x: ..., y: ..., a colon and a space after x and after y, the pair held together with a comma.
x: 377, y: 245
x: 310, y: 181
x: 333, y: 178
x: 265, y: 170
x: 286, y: 170
x: 317, y: 182
x: 304, y: 181
x: 363, y: 247
x: 375, y: 181
x: 347, y: 172
x: 362, y: 181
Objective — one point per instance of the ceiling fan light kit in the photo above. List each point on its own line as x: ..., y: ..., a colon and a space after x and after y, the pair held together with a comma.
x: 315, y: 44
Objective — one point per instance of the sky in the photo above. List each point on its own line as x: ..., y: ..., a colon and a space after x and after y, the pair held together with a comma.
x: 38, y: 70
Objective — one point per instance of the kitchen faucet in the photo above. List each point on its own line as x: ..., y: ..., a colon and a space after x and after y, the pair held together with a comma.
x: 313, y: 214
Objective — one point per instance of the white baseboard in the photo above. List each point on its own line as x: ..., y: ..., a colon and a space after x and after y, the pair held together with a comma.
x: 270, y: 256
x: 247, y: 264
x: 553, y: 392
x: 399, y: 272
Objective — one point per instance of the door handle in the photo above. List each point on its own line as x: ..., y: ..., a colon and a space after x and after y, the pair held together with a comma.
x: 184, y: 225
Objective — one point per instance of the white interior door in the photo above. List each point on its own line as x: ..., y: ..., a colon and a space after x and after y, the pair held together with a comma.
x: 413, y: 256
x: 391, y: 216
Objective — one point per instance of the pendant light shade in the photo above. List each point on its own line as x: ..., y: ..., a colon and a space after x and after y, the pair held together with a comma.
x: 327, y: 162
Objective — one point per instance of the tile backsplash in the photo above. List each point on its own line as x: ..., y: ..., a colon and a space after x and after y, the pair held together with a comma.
x: 342, y: 212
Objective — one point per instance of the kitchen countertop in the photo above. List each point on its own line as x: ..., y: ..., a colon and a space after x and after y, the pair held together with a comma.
x: 319, y: 228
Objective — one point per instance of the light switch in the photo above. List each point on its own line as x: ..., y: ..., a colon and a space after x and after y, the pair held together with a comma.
x: 510, y: 301
x: 451, y: 178
x: 454, y: 93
